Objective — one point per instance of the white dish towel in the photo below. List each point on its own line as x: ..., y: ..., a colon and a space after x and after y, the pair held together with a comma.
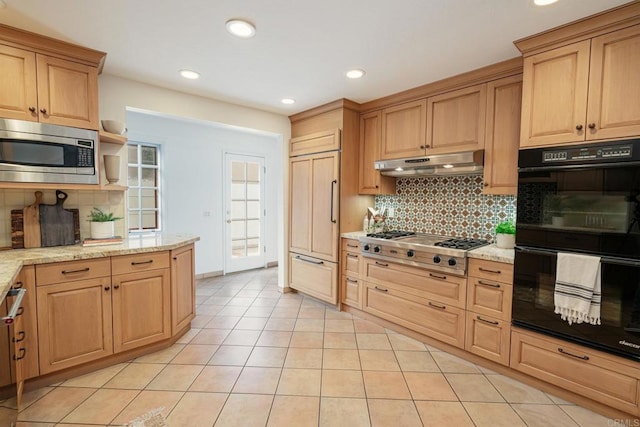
x: 577, y: 294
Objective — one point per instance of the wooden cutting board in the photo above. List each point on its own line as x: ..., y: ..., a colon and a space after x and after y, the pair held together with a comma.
x: 56, y: 223
x: 31, y: 221
x: 17, y: 227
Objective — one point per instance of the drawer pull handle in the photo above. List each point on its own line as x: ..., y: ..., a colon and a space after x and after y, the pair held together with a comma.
x: 490, y: 271
x: 491, y: 285
x: 351, y: 280
x: 491, y: 322
x: 309, y: 261
x: 352, y: 256
x: 18, y: 285
x: 141, y: 262
x: 438, y: 306
x: 16, y: 309
x: 437, y: 276
x: 23, y: 353
x: 82, y: 270
x: 382, y: 264
x: 561, y: 350
x: 22, y: 336
x: 349, y: 245
x: 382, y: 289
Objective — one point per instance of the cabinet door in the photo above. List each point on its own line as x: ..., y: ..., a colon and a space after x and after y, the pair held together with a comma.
x: 352, y: 291
x: 314, y: 196
x: 6, y: 363
x: 141, y: 309
x: 554, y: 96
x: 74, y: 323
x: 18, y: 93
x: 370, y: 181
x: 183, y: 292
x: 28, y: 331
x: 315, y: 143
x: 404, y: 130
x: 488, y: 337
x: 504, y: 101
x: 614, y: 85
x: 67, y: 93
x: 456, y: 120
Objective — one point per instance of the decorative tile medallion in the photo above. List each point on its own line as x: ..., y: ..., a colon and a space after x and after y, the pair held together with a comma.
x: 447, y: 205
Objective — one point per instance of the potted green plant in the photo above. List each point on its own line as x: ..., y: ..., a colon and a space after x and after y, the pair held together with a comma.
x: 102, y: 224
x: 506, y: 235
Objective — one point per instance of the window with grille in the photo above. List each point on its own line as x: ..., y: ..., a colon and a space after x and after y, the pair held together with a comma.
x: 143, y: 180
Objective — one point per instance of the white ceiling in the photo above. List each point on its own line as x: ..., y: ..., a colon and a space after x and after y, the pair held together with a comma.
x: 302, y: 48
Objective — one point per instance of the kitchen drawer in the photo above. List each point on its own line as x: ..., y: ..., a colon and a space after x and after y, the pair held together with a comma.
x: 351, y: 245
x: 441, y: 287
x: 437, y: 320
x: 492, y: 270
x: 314, y: 276
x: 488, y: 337
x: 351, y: 291
x: 60, y: 272
x: 598, y: 376
x: 351, y: 263
x: 489, y: 298
x: 139, y: 262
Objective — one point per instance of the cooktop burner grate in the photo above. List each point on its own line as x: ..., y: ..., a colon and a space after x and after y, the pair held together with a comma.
x: 465, y: 244
x: 391, y: 234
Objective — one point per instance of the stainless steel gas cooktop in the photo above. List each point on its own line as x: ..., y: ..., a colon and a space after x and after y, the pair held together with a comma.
x: 430, y: 251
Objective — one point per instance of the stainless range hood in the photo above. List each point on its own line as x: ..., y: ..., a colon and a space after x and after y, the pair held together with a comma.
x: 466, y: 163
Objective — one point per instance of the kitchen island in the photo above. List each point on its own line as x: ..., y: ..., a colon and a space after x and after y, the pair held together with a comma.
x: 90, y: 307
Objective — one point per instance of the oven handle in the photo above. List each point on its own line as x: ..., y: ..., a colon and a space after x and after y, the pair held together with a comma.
x: 605, y: 259
x: 13, y: 312
x: 575, y: 166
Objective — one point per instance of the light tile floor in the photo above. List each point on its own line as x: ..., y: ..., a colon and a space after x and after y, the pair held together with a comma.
x: 257, y: 357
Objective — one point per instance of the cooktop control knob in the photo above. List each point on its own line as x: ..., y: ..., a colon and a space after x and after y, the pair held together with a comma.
x: 411, y: 253
x: 452, y: 261
x: 367, y: 247
x: 376, y: 249
x: 437, y: 259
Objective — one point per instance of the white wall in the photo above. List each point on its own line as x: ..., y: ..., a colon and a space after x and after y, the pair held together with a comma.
x: 116, y: 94
x: 192, y: 171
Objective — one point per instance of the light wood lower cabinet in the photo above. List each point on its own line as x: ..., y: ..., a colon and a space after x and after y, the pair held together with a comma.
x: 437, y: 320
x: 351, y: 287
x: 351, y: 291
x: 183, y: 288
x: 488, y: 337
x: 315, y: 277
x: 141, y: 309
x: 490, y: 298
x: 74, y: 323
x: 598, y: 376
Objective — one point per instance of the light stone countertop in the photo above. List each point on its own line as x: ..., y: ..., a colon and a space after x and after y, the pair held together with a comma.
x: 493, y: 253
x: 11, y: 261
x: 354, y: 234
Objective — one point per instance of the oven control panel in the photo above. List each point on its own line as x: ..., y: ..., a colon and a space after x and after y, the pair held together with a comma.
x: 583, y: 154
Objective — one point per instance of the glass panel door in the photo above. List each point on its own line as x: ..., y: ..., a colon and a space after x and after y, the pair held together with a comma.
x: 244, y: 212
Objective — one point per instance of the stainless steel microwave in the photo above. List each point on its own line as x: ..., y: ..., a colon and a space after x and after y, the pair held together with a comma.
x: 37, y: 152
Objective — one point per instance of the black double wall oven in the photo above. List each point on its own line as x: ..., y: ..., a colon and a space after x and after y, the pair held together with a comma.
x: 580, y: 199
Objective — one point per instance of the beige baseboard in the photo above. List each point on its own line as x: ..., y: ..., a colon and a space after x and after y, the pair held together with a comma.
x: 210, y: 274
x: 272, y: 264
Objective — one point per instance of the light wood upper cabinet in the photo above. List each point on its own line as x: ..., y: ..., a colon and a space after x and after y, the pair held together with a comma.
x: 554, y: 96
x: 504, y: 101
x: 314, y: 194
x: 67, y: 93
x: 404, y: 130
x: 18, y: 91
x: 369, y: 180
x: 183, y: 287
x: 315, y: 143
x: 37, y: 87
x: 456, y: 120
x: 614, y: 85
x: 585, y: 91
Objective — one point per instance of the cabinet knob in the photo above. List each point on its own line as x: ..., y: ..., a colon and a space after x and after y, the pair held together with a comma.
x: 32, y: 109
x: 377, y: 186
x: 106, y: 288
x: 486, y: 184
x: 43, y: 110
x: 578, y: 127
x: 592, y: 125
x: 116, y: 286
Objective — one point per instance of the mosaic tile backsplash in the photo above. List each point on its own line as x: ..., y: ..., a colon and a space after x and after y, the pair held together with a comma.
x: 110, y: 201
x: 447, y: 205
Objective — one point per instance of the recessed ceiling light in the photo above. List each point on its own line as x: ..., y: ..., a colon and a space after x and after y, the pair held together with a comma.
x: 288, y: 101
x: 544, y: 2
x: 188, y: 74
x: 241, y: 28
x: 355, y: 73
